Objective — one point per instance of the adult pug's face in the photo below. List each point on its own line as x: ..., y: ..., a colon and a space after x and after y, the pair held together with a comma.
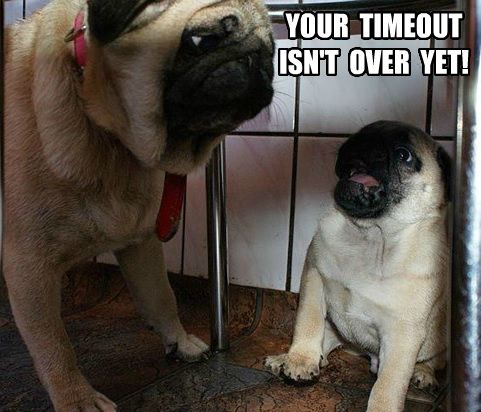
x: 186, y: 72
x: 388, y: 164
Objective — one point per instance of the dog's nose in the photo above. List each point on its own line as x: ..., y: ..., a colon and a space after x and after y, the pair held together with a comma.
x: 230, y: 24
x: 205, y: 40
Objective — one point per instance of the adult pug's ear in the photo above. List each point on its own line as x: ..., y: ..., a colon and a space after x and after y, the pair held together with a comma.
x: 444, y: 162
x: 108, y: 19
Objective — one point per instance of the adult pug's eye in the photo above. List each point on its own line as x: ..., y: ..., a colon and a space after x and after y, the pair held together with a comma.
x: 205, y: 42
x: 404, y: 155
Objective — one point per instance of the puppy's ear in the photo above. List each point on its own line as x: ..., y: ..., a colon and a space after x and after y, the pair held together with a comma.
x: 444, y: 162
x: 108, y: 19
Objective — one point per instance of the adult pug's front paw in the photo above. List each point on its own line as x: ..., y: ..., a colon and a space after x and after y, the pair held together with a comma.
x: 89, y: 401
x: 294, y: 366
x: 189, y: 348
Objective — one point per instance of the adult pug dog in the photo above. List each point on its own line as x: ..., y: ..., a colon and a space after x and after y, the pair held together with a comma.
x: 86, y: 152
x: 375, y: 274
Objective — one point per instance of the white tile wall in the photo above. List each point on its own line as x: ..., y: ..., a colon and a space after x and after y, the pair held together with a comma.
x: 315, y: 181
x: 259, y: 175
x: 259, y: 171
x: 449, y: 147
x: 444, y: 106
x: 444, y: 99
x: 346, y: 103
x: 33, y: 5
x: 13, y: 10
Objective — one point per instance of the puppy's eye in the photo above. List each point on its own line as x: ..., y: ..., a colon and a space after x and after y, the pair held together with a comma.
x: 404, y: 155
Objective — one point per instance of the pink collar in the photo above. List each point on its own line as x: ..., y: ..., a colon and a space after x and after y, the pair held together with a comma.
x: 169, y: 215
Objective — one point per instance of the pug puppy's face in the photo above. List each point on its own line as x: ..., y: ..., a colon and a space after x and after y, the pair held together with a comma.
x: 181, y: 74
x: 391, y: 169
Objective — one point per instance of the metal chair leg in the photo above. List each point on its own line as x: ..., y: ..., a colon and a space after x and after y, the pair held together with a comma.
x: 217, y: 244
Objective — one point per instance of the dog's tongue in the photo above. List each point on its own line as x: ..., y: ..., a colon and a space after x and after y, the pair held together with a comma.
x: 365, y: 180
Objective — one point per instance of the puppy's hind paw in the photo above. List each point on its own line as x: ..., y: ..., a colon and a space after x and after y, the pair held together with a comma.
x: 188, y: 348
x: 423, y: 378
x: 294, y: 367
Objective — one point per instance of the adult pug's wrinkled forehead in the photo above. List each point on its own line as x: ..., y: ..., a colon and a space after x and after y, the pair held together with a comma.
x: 86, y: 151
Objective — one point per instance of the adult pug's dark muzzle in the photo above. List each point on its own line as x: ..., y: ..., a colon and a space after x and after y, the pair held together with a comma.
x: 234, y: 76
x: 217, y: 81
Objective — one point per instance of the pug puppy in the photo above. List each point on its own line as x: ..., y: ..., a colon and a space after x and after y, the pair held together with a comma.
x: 376, y: 271
x: 86, y: 151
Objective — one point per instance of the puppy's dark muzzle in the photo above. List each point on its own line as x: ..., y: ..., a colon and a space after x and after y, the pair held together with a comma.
x: 358, y: 200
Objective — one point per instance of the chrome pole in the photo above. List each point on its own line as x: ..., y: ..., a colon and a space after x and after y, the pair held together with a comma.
x: 217, y: 245
x: 466, y: 282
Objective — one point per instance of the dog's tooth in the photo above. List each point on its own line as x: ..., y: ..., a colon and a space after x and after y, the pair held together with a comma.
x: 196, y: 40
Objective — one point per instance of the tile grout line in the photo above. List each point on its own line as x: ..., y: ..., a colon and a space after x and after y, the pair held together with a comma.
x: 295, y: 149
x: 317, y: 135
x: 429, y: 99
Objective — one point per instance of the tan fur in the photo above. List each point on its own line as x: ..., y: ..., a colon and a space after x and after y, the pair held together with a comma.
x: 382, y: 284
x: 73, y: 190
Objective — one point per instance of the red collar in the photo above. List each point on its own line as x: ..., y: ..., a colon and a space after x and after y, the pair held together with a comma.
x: 173, y: 194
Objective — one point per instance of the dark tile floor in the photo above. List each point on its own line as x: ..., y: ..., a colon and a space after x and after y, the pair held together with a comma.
x: 124, y: 360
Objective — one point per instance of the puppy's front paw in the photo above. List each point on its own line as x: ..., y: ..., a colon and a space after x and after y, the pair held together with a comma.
x: 189, y: 348
x: 294, y: 366
x: 423, y: 377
